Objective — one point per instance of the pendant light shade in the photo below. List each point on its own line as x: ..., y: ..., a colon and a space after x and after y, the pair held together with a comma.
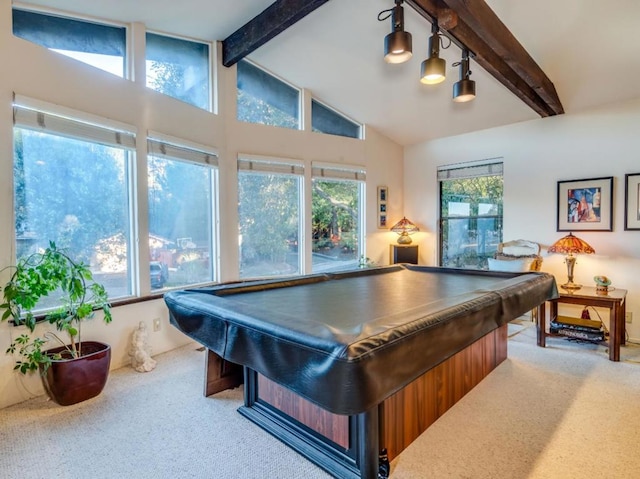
x: 397, y: 44
x: 433, y: 69
x: 464, y: 89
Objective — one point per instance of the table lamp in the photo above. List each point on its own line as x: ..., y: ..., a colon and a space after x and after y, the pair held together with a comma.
x: 404, y: 228
x: 570, y: 245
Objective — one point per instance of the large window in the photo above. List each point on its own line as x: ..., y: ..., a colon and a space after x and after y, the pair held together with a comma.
x: 179, y: 68
x: 326, y: 120
x: 269, y: 210
x: 263, y: 98
x: 72, y: 186
x: 336, y: 211
x: 470, y: 214
x: 102, y: 46
x: 181, y: 214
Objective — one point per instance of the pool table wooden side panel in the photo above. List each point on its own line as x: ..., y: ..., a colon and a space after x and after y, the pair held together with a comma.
x: 410, y: 411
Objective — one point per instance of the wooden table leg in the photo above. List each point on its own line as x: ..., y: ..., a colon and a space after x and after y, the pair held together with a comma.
x: 622, y: 314
x: 614, y: 334
x: 542, y: 323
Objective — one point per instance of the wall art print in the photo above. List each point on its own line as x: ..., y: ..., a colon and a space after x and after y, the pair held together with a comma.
x: 585, y: 205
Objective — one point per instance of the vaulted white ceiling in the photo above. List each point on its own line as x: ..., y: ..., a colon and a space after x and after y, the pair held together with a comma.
x: 589, y: 49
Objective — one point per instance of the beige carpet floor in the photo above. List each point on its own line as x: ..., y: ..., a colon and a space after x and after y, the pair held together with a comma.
x: 560, y: 412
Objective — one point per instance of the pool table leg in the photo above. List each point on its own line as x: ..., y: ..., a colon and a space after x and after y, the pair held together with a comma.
x: 369, y: 443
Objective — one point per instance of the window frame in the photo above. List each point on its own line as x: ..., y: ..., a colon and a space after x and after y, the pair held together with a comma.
x: 177, y: 149
x: 266, y: 165
x: 300, y: 109
x: 337, y: 114
x: 126, y: 71
x: 55, y: 120
x: 344, y: 172
x: 493, y: 167
x: 211, y: 107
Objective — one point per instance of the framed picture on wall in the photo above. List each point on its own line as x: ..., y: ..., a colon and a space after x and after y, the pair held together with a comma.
x: 383, y: 194
x: 585, y: 205
x: 632, y: 201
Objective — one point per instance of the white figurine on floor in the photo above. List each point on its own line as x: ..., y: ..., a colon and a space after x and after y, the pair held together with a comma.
x: 140, y: 351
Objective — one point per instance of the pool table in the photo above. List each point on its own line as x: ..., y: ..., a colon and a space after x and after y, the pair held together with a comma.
x: 348, y: 368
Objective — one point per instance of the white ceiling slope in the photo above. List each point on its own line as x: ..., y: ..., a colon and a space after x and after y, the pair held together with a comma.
x: 589, y: 49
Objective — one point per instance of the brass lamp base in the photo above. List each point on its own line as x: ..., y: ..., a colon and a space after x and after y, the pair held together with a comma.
x: 404, y: 239
x: 570, y: 285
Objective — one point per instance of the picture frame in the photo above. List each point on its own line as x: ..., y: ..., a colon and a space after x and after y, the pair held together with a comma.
x: 383, y: 197
x: 632, y: 201
x: 585, y: 205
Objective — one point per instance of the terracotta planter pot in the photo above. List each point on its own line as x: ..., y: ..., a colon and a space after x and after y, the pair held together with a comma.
x: 70, y: 381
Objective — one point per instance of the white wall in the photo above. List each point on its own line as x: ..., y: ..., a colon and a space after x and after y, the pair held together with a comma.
x: 35, y: 72
x: 591, y: 144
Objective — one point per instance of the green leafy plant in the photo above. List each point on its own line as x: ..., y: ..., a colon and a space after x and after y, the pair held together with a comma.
x: 36, y: 277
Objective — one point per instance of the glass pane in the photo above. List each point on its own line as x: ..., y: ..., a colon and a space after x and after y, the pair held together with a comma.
x: 180, y: 223
x: 471, y: 221
x: 467, y: 243
x: 76, y: 194
x: 264, y: 99
x: 102, y: 46
x: 325, y: 120
x: 179, y: 68
x: 335, y: 225
x: 269, y: 212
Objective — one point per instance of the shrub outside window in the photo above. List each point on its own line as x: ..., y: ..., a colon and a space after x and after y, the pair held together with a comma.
x: 337, y: 217
x: 269, y: 210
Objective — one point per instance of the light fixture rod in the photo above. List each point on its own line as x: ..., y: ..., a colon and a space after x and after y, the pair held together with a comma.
x: 434, y: 20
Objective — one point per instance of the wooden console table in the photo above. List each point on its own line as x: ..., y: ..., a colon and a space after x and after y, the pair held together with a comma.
x: 587, y: 296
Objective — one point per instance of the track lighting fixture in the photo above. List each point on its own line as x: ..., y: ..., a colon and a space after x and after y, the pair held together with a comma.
x: 464, y: 89
x: 397, y: 44
x: 397, y: 49
x: 433, y: 69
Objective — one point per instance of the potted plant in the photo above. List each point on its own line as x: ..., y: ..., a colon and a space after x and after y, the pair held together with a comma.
x: 75, y: 370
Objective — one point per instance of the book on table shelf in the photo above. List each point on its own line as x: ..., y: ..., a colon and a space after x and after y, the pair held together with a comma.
x: 578, y: 328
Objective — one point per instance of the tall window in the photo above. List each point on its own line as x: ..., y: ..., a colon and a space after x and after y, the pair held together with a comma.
x: 336, y: 210
x: 470, y: 214
x: 326, y: 120
x: 73, y: 186
x: 99, y: 45
x: 182, y: 182
x: 269, y: 203
x: 179, y: 68
x: 263, y: 98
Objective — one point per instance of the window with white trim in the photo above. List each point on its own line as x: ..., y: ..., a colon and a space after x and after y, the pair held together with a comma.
x: 100, y: 45
x: 270, y: 217
x: 471, y: 199
x: 179, y: 68
x: 337, y: 201
x: 265, y: 99
x: 73, y: 186
x: 326, y: 120
x: 182, y: 191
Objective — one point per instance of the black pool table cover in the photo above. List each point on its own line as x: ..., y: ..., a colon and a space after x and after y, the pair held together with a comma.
x: 347, y: 341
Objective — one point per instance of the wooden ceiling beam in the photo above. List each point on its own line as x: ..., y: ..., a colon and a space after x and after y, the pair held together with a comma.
x: 494, y: 48
x: 273, y: 20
